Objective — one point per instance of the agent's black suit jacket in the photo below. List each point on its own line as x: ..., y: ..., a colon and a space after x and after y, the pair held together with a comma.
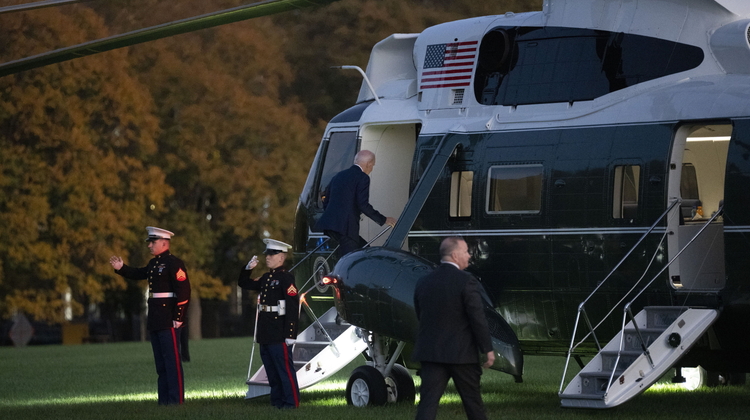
x: 348, y: 197
x: 452, y: 325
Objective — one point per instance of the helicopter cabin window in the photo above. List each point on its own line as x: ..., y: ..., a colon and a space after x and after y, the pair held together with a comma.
x: 460, y: 200
x: 515, y: 189
x: 625, y: 201
x: 526, y: 65
x: 342, y: 146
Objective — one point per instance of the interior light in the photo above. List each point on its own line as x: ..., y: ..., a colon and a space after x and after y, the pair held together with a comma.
x: 718, y: 138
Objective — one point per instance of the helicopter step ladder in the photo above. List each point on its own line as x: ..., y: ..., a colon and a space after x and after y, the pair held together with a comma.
x: 321, y: 350
x: 638, y: 356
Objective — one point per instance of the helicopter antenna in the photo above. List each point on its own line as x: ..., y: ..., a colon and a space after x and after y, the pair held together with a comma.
x: 367, y: 80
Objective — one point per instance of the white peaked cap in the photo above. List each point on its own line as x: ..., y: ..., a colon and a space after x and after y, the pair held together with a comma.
x: 274, y: 247
x: 158, y: 233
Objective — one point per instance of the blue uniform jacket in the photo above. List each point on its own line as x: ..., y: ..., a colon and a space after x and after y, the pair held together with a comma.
x: 275, y: 285
x: 165, y: 273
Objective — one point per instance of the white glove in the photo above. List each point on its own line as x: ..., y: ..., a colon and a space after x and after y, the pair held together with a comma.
x: 290, y: 341
x: 252, y: 263
x: 176, y: 324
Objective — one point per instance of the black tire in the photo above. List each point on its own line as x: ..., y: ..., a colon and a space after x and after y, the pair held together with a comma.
x: 712, y: 378
x: 400, y: 386
x: 736, y: 378
x: 366, y: 387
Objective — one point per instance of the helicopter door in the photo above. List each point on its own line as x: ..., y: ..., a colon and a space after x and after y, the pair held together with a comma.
x: 697, y: 171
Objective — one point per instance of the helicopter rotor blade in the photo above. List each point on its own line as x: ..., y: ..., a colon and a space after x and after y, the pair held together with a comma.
x: 37, y: 5
x: 210, y: 20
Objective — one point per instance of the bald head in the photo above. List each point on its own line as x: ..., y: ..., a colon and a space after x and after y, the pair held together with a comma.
x: 449, y: 245
x: 366, y: 160
x: 454, y: 249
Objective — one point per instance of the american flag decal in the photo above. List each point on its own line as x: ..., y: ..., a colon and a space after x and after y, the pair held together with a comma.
x: 448, y: 65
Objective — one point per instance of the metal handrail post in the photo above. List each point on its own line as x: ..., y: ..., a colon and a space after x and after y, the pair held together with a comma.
x: 570, y: 350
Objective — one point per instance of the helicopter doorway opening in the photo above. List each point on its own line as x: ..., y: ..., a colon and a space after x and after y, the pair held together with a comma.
x: 393, y: 145
x: 697, y: 172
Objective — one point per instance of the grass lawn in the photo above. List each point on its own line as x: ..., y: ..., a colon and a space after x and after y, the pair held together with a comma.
x: 117, y: 381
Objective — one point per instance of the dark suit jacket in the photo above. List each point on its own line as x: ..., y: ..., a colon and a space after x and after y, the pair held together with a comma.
x: 452, y: 325
x: 348, y: 197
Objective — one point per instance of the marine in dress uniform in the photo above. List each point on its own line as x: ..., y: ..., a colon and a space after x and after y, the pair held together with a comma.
x: 169, y: 294
x: 278, y: 313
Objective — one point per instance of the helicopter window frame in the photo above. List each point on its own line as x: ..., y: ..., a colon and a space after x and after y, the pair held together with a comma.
x: 462, y: 186
x: 626, y: 191
x: 526, y: 180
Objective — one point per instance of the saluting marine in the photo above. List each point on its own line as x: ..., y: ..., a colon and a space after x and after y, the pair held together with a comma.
x: 276, y: 331
x: 168, y: 297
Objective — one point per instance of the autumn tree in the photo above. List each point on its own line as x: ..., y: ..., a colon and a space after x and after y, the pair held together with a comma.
x: 76, y: 184
x: 235, y: 155
x: 209, y: 134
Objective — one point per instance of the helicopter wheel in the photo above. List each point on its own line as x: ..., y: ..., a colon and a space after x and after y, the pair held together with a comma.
x: 366, y: 387
x: 400, y: 385
x: 698, y: 377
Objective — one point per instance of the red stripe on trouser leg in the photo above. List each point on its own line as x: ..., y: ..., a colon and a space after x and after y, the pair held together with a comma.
x: 290, y: 372
x: 178, y: 366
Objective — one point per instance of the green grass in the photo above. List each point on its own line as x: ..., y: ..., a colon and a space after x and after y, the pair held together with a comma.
x: 117, y: 381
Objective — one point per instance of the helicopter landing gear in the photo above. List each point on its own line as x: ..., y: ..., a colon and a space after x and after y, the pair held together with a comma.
x: 378, y: 382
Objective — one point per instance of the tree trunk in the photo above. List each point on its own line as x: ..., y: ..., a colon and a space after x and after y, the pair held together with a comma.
x: 194, y: 316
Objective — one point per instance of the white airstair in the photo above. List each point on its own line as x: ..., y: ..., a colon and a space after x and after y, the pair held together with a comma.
x: 638, y: 356
x: 321, y: 350
x: 648, y: 344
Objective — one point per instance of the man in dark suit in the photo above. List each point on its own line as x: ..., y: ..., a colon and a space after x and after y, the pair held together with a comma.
x: 347, y: 197
x: 452, y: 333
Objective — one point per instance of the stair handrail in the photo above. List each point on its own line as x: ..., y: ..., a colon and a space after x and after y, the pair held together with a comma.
x: 641, y: 239
x: 582, y: 305
x: 310, y: 253
x: 330, y: 254
x: 700, y: 231
x: 628, y: 313
x: 316, y: 320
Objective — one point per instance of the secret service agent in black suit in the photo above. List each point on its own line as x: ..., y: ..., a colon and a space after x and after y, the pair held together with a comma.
x: 169, y: 294
x: 278, y: 313
x: 452, y: 333
x: 347, y: 197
